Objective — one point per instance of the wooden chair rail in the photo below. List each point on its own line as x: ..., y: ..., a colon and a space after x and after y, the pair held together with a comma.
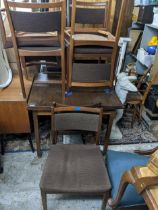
x: 88, y: 4
x: 34, y: 5
x: 77, y: 109
x: 146, y: 152
x: 144, y: 183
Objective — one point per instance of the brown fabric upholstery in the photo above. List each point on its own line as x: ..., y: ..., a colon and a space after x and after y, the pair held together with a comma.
x: 93, y: 50
x: 76, y: 121
x: 90, y: 72
x: 32, y: 42
x: 134, y: 96
x: 75, y: 169
x: 38, y: 48
x: 36, y: 21
x: 39, y: 43
x: 89, y: 15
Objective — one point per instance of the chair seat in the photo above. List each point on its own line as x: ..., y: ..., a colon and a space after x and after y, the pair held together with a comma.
x: 32, y: 42
x: 41, y: 51
x: 134, y: 97
x: 35, y: 49
x: 93, y: 50
x: 75, y: 169
x: 117, y: 164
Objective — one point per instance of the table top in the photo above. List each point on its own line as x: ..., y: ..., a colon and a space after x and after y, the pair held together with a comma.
x: 42, y: 96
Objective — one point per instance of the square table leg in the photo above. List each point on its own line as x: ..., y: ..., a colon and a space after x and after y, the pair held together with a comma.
x: 109, y: 127
x: 37, y: 136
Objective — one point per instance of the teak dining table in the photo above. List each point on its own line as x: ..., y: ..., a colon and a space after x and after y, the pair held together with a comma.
x: 44, y: 92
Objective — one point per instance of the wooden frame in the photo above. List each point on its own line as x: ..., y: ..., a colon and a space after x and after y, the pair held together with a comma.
x: 138, y: 102
x: 142, y: 184
x: 20, y: 54
x: 73, y: 39
x: 72, y: 109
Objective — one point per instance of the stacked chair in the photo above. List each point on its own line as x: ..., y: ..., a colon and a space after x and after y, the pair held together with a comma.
x: 91, y: 43
x: 91, y: 54
x: 37, y: 34
x: 135, y: 100
x: 91, y: 51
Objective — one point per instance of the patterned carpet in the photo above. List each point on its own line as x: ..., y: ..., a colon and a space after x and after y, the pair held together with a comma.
x: 136, y: 135
x: 140, y: 133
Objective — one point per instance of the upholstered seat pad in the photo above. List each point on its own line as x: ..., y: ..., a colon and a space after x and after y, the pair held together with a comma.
x: 75, y: 169
x: 93, y: 50
x: 32, y: 42
x: 38, y: 48
x: 117, y: 164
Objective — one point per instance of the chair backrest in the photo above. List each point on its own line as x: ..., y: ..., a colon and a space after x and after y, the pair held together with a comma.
x: 93, y: 13
x: 39, y: 21
x: 77, y: 119
x: 147, y: 79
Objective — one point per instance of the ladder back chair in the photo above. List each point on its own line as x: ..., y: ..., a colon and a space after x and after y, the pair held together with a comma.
x: 136, y: 100
x: 75, y: 168
x: 136, y: 184
x: 37, y: 33
x: 87, y: 43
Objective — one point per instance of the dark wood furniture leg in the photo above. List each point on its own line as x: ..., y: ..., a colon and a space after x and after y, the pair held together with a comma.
x: 30, y: 142
x: 105, y: 199
x: 2, y: 153
x: 108, y: 132
x: 2, y: 145
x: 44, y: 200
x: 37, y: 136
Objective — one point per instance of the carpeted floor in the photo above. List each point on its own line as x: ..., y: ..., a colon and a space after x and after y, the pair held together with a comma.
x: 139, y: 134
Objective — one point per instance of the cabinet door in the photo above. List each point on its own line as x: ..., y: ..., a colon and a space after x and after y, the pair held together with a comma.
x: 14, y: 117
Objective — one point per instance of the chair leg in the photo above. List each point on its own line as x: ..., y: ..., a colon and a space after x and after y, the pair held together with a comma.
x: 2, y: 152
x: 31, y: 143
x: 104, y: 202
x: 83, y: 139
x: 1, y: 168
x: 23, y: 63
x: 2, y: 145
x: 44, y: 200
x: 134, y: 115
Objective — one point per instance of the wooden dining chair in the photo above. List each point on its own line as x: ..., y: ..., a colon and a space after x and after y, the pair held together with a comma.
x: 75, y: 168
x: 92, y: 43
x: 37, y: 33
x: 134, y: 184
x: 136, y: 100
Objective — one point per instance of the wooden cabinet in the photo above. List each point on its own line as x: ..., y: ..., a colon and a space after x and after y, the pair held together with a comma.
x: 14, y: 116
